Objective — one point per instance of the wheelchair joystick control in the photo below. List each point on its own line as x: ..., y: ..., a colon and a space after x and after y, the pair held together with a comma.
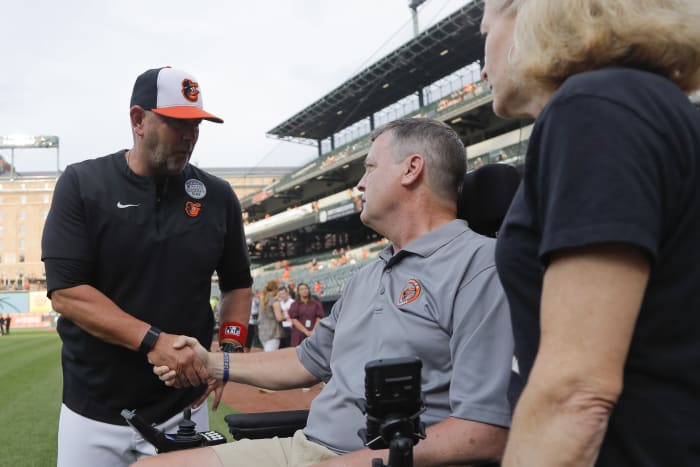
x: 186, y: 437
x: 186, y: 429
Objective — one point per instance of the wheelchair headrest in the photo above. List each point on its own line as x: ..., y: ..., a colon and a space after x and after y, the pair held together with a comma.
x: 486, y: 196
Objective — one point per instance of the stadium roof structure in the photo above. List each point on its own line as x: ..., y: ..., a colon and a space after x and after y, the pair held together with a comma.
x: 440, y: 50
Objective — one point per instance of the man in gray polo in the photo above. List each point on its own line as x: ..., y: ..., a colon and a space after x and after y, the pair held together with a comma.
x: 432, y: 293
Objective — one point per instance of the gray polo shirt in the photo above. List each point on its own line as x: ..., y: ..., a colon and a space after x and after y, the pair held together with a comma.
x: 439, y: 299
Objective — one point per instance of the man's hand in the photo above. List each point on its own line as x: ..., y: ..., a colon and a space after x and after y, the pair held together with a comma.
x: 169, y: 376
x: 215, y: 386
x: 185, y: 363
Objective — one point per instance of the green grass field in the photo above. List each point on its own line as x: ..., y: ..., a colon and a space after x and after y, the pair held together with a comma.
x: 30, y: 399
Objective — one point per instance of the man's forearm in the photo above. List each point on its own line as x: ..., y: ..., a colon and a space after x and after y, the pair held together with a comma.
x: 99, y: 316
x: 96, y: 314
x: 235, y: 306
x: 456, y: 441
x: 280, y: 369
x: 451, y: 442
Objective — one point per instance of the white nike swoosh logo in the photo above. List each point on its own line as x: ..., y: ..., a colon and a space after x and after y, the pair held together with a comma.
x: 122, y: 206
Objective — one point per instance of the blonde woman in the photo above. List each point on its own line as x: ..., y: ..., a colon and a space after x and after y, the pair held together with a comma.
x: 598, y: 254
x: 269, y: 328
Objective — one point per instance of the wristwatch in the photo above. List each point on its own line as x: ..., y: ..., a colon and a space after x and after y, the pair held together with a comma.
x: 149, y: 340
x: 231, y: 347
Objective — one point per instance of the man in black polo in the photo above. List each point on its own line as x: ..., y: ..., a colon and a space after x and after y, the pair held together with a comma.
x: 130, y: 245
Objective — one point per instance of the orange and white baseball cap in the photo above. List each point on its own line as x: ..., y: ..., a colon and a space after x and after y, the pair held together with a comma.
x: 172, y: 93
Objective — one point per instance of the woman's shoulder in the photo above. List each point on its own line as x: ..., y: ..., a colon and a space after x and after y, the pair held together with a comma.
x: 615, y: 84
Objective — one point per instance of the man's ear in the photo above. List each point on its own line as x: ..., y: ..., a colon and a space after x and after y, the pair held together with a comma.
x: 413, y: 167
x: 137, y: 116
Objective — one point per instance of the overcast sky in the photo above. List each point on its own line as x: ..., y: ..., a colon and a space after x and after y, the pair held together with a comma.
x: 68, y: 67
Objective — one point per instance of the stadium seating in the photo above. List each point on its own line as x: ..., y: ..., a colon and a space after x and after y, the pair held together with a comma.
x: 487, y: 202
x: 512, y: 155
x: 470, y: 96
x: 484, y: 201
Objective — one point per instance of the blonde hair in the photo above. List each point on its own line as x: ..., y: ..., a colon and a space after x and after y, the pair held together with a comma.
x: 555, y: 39
x: 269, y: 291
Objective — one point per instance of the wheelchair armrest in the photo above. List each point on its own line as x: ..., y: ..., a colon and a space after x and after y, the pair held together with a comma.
x: 266, y: 424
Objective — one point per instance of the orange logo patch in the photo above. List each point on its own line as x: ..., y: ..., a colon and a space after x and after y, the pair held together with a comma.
x: 409, y: 293
x: 192, y: 209
x: 190, y: 89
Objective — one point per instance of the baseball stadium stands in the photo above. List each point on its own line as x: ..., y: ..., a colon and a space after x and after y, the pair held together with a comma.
x: 299, y: 224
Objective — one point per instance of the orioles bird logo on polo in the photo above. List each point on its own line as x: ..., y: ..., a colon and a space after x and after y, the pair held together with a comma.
x: 409, y: 293
x: 192, y: 209
x: 233, y: 330
x: 190, y: 89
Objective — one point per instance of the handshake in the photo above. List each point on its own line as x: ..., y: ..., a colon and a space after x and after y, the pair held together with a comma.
x: 180, y: 377
x: 181, y: 361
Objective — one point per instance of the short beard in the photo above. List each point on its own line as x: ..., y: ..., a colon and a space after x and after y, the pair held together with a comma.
x: 158, y: 160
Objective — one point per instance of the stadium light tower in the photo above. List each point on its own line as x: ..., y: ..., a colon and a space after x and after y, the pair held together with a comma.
x: 13, y: 142
x: 413, y: 5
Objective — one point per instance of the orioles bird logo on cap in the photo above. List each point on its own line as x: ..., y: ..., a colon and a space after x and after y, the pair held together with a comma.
x: 190, y: 89
x: 192, y: 209
x: 410, y: 292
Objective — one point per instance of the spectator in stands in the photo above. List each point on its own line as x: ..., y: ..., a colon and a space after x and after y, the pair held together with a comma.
x: 285, y: 303
x: 342, y: 259
x: 292, y: 289
x: 271, y: 317
x: 318, y: 288
x: 598, y: 254
x: 433, y: 293
x: 130, y: 245
x: 306, y: 312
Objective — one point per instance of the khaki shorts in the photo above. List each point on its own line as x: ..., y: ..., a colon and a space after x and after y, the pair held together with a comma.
x: 296, y: 451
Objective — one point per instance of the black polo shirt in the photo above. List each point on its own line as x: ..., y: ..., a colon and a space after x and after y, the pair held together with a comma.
x: 151, y: 246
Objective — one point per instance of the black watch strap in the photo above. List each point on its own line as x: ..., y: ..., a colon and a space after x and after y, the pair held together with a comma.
x: 149, y: 340
x: 231, y: 347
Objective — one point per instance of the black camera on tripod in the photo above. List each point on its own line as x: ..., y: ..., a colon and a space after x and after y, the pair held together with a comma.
x: 185, y: 438
x: 393, y: 404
